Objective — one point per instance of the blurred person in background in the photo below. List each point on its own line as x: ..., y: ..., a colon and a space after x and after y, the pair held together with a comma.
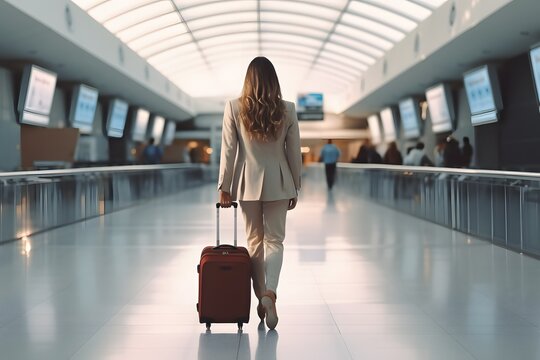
x: 452, y: 153
x: 329, y: 156
x: 417, y: 156
x: 392, y: 156
x: 466, y: 152
x: 152, y: 153
x: 439, y: 153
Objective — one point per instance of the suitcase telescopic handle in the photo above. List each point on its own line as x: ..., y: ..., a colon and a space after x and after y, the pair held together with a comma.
x: 235, y: 206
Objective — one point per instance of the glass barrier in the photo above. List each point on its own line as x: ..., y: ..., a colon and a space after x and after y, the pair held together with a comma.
x: 35, y: 201
x: 502, y: 207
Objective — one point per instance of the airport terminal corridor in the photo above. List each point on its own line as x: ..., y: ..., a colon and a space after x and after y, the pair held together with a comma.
x: 359, y: 281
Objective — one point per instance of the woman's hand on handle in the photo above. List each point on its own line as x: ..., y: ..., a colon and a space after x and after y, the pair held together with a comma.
x: 225, y: 199
x: 292, y: 203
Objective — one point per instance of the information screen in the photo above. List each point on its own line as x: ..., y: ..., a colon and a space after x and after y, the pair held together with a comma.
x: 388, y: 124
x: 83, y: 108
x: 140, y: 124
x: 375, y: 129
x: 36, y: 95
x: 310, y: 106
x: 479, y: 91
x: 116, y: 119
x: 170, y: 131
x: 535, y: 63
x: 157, y: 128
x: 439, y: 103
x: 410, y: 118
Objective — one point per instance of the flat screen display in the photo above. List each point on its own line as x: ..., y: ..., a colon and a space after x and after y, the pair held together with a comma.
x: 158, y: 125
x: 310, y: 106
x: 535, y: 64
x: 116, y: 118
x: 36, y: 96
x: 140, y: 124
x: 375, y: 129
x: 410, y: 118
x: 170, y: 130
x: 83, y: 108
x: 388, y: 124
x: 441, y: 108
x: 483, y: 95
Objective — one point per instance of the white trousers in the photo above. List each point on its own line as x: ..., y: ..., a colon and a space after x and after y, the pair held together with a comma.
x: 265, y: 231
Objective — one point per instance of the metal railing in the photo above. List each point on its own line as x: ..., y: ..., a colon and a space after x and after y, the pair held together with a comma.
x: 500, y: 206
x: 33, y: 201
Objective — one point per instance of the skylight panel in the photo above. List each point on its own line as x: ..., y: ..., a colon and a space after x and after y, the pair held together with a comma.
x: 407, y: 8
x: 239, y: 46
x: 217, y: 20
x: 319, y: 12
x: 291, y: 47
x: 225, y: 29
x: 232, y: 38
x: 112, y: 8
x: 325, y: 54
x: 293, y: 29
x: 156, y: 36
x: 177, y: 51
x: 350, y: 52
x: 148, y: 27
x: 433, y: 4
x: 364, y: 36
x: 384, y: 16
x: 87, y: 4
x: 373, y: 27
x: 218, y: 7
x: 338, y: 66
x: 296, y: 19
x: 357, y: 45
x: 278, y: 37
x: 138, y: 15
x: 165, y: 44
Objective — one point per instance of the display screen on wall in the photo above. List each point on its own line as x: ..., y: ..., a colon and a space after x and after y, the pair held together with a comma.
x: 36, y: 95
x: 441, y: 108
x: 140, y: 124
x: 310, y: 106
x: 158, y: 125
x: 388, y: 124
x: 83, y: 108
x: 535, y: 64
x: 170, y: 130
x: 375, y: 129
x: 116, y: 118
x: 483, y: 94
x: 410, y: 118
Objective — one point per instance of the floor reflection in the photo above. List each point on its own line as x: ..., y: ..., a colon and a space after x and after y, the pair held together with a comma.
x: 266, y: 344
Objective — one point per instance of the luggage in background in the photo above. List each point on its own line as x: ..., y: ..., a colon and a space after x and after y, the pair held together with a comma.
x: 224, y: 281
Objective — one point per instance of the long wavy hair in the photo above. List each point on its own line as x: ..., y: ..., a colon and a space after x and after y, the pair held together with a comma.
x: 261, y: 107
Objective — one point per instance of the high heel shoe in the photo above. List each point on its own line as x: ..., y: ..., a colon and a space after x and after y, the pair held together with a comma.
x: 268, y: 301
x: 260, y: 311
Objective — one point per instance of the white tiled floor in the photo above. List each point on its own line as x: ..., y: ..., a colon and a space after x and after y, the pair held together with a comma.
x: 359, y: 282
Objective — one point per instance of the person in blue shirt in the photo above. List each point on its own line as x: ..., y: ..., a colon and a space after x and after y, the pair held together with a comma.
x: 329, y: 156
x: 152, y: 154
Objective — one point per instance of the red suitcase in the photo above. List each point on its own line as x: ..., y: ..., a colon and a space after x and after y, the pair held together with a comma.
x: 224, y: 281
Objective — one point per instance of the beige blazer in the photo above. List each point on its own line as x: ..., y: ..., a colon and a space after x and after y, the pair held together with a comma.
x: 252, y: 170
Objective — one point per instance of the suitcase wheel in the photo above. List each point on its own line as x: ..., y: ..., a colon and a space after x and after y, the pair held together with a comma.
x: 240, y: 325
x: 208, y: 326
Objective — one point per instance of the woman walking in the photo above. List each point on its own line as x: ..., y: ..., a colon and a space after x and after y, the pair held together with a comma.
x: 260, y: 167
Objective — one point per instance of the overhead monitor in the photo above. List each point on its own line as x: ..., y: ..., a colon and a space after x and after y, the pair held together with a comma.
x: 535, y: 64
x: 36, y: 95
x: 170, y: 130
x: 441, y: 108
x: 310, y: 106
x: 388, y: 119
x: 375, y: 129
x: 409, y: 112
x: 116, y: 118
x: 83, y: 108
x: 483, y: 94
x: 140, y: 124
x: 158, y: 125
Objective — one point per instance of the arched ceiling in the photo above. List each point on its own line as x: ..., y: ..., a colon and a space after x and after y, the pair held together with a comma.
x: 204, y: 46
